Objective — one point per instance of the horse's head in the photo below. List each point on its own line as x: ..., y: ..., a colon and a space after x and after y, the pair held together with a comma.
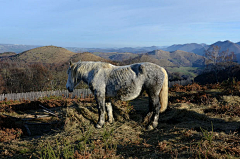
x: 72, y: 81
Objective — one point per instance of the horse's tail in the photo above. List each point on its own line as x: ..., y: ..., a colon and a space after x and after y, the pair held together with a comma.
x: 164, y: 92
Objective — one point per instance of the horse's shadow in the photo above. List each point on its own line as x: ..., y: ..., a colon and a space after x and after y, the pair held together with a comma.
x: 176, y: 125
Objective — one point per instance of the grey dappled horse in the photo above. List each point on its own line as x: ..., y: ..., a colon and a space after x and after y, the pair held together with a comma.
x: 124, y: 83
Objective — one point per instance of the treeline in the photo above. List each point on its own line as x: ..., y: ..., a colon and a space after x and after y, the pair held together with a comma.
x: 16, y: 77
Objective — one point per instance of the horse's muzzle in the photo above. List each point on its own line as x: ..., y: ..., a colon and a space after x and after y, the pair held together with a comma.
x: 70, y: 90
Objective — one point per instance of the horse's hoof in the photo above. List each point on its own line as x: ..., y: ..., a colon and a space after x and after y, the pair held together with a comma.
x: 98, y: 126
x: 150, y: 127
x: 111, y: 121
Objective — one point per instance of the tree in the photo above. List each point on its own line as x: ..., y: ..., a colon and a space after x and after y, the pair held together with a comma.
x: 40, y: 78
x: 213, y: 56
x: 2, y: 85
x: 216, y: 60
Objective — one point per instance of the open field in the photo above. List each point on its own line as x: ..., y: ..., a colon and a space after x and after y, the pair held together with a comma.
x: 189, y: 71
x: 199, y: 123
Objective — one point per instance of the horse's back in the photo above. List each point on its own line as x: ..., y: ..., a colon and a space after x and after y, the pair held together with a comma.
x: 126, y: 82
x: 155, y: 75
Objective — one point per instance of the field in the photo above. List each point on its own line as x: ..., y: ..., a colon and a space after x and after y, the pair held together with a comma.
x: 200, y: 122
x: 188, y: 71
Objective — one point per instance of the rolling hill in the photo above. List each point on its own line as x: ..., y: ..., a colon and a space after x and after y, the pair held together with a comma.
x: 50, y: 54
x: 165, y: 58
x: 45, y: 54
x: 114, y: 56
x: 7, y: 54
x: 53, y: 54
x: 86, y: 56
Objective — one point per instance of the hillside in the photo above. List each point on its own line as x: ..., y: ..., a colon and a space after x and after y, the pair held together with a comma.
x: 147, y: 58
x: 165, y: 58
x: 183, y: 58
x: 46, y: 54
x: 86, y: 56
x: 7, y: 54
x: 114, y: 56
x: 200, y: 122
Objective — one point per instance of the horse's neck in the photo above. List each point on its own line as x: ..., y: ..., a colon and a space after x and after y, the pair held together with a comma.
x: 88, y: 74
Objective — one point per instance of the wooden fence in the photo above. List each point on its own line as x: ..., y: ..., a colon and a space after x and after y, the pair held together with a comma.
x: 36, y: 95
x: 77, y: 92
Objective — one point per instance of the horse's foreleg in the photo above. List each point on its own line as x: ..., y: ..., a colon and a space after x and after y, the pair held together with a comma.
x: 101, y: 111
x: 110, y: 112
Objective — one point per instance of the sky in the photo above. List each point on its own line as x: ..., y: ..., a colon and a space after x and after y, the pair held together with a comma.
x: 118, y: 23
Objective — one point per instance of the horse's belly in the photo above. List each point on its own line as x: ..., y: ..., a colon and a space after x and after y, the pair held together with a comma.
x: 124, y: 93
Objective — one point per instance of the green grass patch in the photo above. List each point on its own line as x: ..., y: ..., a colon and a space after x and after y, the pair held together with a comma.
x: 189, y: 71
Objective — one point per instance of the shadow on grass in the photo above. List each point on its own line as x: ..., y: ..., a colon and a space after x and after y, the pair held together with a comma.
x: 180, y: 135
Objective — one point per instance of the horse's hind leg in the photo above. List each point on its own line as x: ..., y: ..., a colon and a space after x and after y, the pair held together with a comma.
x: 110, y: 112
x: 154, y: 106
x: 148, y: 117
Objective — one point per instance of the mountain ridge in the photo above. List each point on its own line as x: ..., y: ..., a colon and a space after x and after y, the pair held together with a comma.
x: 189, y: 47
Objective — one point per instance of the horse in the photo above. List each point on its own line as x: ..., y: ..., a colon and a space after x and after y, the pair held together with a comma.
x: 108, y: 81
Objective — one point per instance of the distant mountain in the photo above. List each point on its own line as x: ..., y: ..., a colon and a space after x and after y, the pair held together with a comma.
x: 225, y: 45
x: 192, y: 47
x: 15, y: 48
x: 21, y: 48
x: 228, y: 45
x: 116, y: 50
x: 119, y: 54
x: 166, y: 58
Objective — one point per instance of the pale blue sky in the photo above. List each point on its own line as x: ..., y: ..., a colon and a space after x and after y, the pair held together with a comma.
x: 118, y: 23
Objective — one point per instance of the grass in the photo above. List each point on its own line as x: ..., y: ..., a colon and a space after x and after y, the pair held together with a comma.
x: 189, y: 71
x: 185, y: 130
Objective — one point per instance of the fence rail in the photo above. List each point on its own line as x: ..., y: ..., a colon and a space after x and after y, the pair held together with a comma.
x: 77, y: 92
x: 36, y: 95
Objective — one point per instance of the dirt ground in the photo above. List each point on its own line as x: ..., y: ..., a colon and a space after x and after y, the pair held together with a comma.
x: 195, y: 125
